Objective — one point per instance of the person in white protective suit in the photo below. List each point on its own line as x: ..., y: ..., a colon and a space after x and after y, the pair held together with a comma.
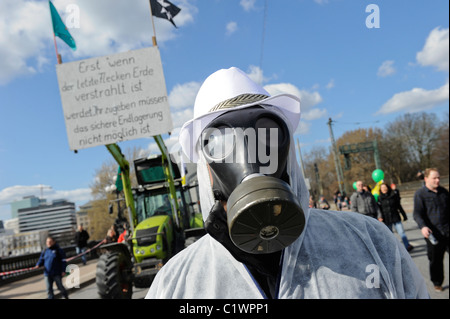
x: 263, y: 240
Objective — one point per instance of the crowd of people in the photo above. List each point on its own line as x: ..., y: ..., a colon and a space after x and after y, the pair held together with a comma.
x: 431, y: 213
x: 341, y: 202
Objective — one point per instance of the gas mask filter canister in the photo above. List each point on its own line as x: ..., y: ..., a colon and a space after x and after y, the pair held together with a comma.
x: 263, y: 214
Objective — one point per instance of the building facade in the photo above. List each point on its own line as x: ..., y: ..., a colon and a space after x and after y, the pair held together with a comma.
x: 25, y: 202
x: 12, y: 225
x: 22, y: 243
x: 58, y: 218
x: 83, y: 217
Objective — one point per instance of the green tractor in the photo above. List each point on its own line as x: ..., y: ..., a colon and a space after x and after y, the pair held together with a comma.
x: 162, y: 223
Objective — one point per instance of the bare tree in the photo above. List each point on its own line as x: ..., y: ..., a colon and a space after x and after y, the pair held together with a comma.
x: 415, y: 135
x: 410, y: 143
x: 105, y: 176
x: 440, y: 154
x: 362, y: 163
x: 316, y: 169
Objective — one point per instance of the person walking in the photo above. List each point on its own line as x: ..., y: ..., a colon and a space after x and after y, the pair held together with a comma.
x: 397, y: 192
x: 389, y: 204
x: 338, y: 200
x: 363, y: 202
x: 431, y: 213
x: 81, y: 238
x: 53, y: 259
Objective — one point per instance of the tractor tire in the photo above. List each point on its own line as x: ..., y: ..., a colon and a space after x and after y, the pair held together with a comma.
x: 113, y: 277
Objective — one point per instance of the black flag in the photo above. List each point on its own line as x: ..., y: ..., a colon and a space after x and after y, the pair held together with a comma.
x: 164, y: 9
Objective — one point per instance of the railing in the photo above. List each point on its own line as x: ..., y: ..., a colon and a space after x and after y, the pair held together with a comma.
x: 11, y: 264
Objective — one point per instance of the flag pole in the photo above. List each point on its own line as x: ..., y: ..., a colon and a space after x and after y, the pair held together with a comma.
x: 153, y: 24
x: 58, y: 56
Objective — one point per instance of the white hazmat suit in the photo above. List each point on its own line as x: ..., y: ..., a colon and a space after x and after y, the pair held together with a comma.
x: 338, y: 254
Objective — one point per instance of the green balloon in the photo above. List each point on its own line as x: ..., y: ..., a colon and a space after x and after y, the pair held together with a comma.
x: 376, y: 196
x: 354, y: 186
x: 377, y: 175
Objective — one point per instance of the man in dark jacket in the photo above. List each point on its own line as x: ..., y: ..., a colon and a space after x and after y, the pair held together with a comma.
x: 431, y: 213
x: 53, y: 259
x: 81, y: 238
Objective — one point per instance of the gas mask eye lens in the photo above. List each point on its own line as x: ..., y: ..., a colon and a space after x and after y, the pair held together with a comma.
x: 218, y: 142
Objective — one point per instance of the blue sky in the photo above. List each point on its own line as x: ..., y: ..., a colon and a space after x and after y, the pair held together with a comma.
x: 321, y: 50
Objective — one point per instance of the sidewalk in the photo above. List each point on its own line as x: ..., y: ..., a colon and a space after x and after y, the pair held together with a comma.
x: 34, y: 287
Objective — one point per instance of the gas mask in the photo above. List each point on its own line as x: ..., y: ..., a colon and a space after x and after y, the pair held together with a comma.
x: 247, y: 152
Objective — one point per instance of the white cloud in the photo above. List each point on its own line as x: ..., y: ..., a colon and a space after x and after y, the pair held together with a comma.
x: 434, y: 53
x: 330, y: 84
x: 182, y: 100
x: 416, y: 100
x: 308, y: 99
x: 231, y: 28
x: 25, y: 28
x: 26, y: 37
x: 73, y: 195
x: 183, y: 95
x: 182, y: 116
x: 256, y: 74
x: 314, y: 114
x: 248, y: 5
x: 123, y: 26
x: 17, y: 192
x: 386, y: 68
x: 303, y: 128
x: 436, y: 50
